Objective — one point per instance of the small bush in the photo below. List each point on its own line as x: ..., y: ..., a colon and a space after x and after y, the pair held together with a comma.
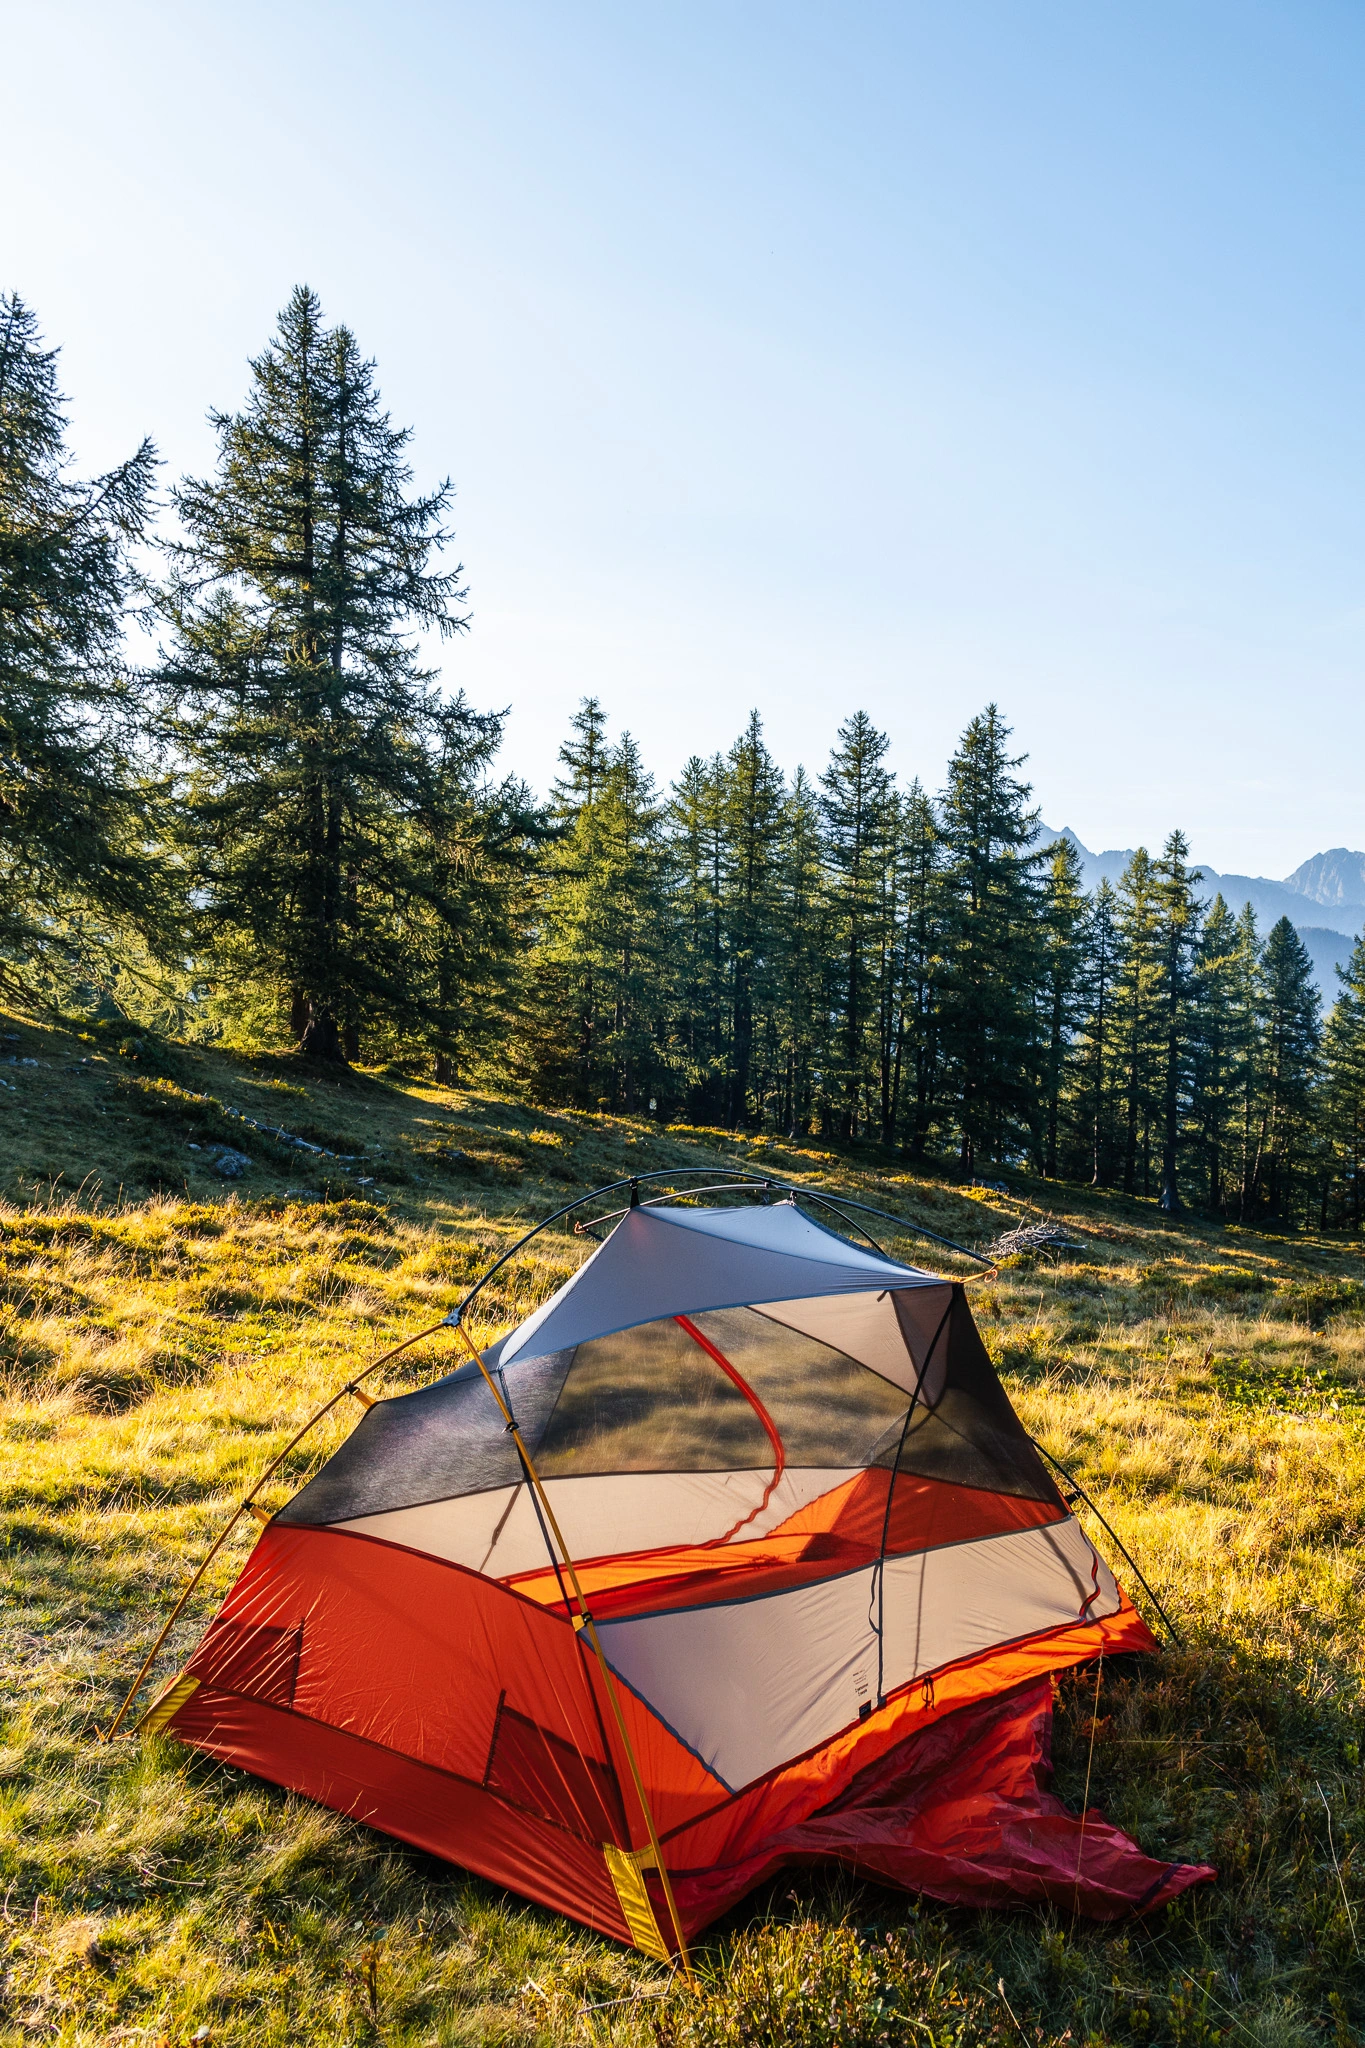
x: 812, y: 1986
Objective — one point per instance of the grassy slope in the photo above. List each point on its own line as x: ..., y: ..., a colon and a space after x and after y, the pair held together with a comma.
x: 162, y: 1328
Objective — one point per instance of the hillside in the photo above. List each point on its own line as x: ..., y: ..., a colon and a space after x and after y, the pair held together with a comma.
x: 165, y: 1322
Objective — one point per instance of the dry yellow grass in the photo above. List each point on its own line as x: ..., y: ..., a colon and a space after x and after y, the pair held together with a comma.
x: 1207, y: 1385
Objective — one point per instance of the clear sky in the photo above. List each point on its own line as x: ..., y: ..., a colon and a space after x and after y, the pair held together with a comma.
x: 802, y: 357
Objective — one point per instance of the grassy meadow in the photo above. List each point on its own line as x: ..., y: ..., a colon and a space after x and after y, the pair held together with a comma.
x: 164, y: 1327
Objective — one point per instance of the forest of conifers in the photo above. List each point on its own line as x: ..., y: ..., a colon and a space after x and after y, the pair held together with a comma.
x: 278, y: 827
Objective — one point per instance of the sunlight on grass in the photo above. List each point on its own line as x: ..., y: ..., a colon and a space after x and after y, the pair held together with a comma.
x: 1206, y: 1386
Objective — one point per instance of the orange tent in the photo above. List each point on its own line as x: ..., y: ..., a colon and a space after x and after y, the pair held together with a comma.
x: 733, y: 1553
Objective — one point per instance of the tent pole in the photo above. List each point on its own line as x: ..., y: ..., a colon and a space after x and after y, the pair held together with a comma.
x: 584, y: 1621
x: 247, y: 1504
x: 1119, y: 1545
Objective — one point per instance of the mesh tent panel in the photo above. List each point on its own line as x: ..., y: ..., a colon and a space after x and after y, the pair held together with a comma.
x: 648, y: 1400
x: 433, y: 1444
x: 829, y: 1410
x: 968, y: 1434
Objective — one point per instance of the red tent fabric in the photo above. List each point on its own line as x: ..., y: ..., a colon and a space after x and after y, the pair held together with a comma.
x: 767, y: 1569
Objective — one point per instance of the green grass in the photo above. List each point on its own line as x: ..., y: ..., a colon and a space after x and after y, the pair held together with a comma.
x: 161, y: 1330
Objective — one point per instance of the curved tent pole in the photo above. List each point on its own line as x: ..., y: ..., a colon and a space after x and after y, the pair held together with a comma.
x: 741, y: 1183
x: 583, y: 1621
x: 920, y: 1378
x: 1119, y: 1545
x: 631, y: 1182
x: 248, y: 1505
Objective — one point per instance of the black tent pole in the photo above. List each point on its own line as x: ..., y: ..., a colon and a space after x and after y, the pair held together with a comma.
x: 1073, y: 1481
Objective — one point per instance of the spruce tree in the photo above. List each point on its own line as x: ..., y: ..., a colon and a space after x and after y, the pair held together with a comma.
x: 1095, y: 1061
x: 1344, y: 1086
x: 1139, y: 1015
x: 471, y: 853
x: 696, y: 855
x: 600, y: 969
x: 855, y: 804
x: 1178, y: 916
x: 751, y: 813
x: 988, y: 1005
x: 917, y: 1041
x: 1292, y: 1037
x: 1248, y: 1038
x: 802, y: 1003
x: 311, y: 731
x: 1063, y: 944
x: 73, y: 793
x: 1220, y: 1048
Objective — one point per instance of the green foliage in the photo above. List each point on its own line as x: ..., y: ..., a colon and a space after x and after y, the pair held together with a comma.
x: 75, y: 797
x: 991, y: 964
x: 806, y: 1984
x: 1205, y: 1385
x: 346, y: 853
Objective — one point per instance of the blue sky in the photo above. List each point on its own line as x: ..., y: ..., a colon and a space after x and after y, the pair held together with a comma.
x: 806, y: 358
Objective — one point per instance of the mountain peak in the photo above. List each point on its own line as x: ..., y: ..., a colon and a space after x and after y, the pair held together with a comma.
x: 1335, y: 879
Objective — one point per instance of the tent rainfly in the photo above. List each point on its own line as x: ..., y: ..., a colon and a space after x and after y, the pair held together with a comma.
x: 734, y: 1554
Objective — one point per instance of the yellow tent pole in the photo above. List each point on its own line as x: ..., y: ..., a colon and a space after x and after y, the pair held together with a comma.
x: 583, y: 1620
x: 248, y: 1505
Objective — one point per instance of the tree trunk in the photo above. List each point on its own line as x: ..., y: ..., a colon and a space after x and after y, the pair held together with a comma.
x: 321, y: 1039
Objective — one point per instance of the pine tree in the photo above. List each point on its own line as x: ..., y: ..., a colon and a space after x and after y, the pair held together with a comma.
x: 599, y: 973
x: 1248, y: 1035
x: 802, y: 1004
x: 1292, y: 1037
x: 855, y: 807
x: 1095, y: 1081
x: 917, y: 1038
x: 696, y: 845
x: 988, y: 1007
x: 1220, y: 1047
x: 751, y: 815
x: 1139, y: 1015
x: 1178, y: 915
x: 1344, y: 1086
x: 471, y: 852
x: 73, y: 795
x: 1064, y: 931
x: 312, y: 734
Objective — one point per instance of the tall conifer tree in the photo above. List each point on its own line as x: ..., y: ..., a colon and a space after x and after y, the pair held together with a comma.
x: 917, y: 1042
x: 600, y: 970
x: 1139, y: 1015
x: 311, y: 730
x: 801, y: 1004
x: 73, y: 795
x: 1178, y: 931
x: 752, y: 807
x: 1220, y: 1048
x: 1292, y: 1036
x: 696, y: 839
x: 1063, y: 944
x: 1095, y: 1066
x: 1344, y: 1089
x: 1248, y: 1028
x: 988, y: 1007
x: 856, y: 792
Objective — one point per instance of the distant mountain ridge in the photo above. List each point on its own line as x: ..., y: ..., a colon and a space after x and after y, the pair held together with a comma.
x: 1328, y: 887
